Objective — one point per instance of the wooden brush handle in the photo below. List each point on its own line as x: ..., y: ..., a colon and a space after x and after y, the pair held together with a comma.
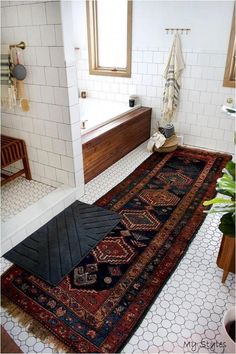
x: 24, y: 105
x: 20, y: 89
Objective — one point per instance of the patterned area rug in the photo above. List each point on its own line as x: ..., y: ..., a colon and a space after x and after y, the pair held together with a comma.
x: 97, y: 307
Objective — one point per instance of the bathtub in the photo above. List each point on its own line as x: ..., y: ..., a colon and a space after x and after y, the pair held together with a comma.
x: 94, y: 113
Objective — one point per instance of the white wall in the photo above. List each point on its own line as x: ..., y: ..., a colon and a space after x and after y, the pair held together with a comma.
x: 51, y: 129
x: 209, y: 22
x: 199, y: 116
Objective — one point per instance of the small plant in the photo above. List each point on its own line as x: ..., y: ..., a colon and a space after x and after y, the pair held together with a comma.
x: 225, y: 186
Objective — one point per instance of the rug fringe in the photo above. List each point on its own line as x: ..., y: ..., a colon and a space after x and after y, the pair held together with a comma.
x: 33, y: 326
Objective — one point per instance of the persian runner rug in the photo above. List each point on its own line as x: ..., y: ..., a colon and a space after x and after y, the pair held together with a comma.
x: 98, y: 306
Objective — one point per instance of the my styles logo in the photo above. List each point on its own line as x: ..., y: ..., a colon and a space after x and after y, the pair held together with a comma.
x: 212, y: 346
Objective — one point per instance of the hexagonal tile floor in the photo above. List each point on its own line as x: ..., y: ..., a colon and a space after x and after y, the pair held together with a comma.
x: 186, y: 317
x: 19, y: 194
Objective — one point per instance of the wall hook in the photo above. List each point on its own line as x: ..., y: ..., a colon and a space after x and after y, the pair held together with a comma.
x: 178, y: 30
x: 20, y: 45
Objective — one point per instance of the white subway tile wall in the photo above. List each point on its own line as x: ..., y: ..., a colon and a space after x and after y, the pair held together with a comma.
x: 50, y: 86
x: 198, y: 118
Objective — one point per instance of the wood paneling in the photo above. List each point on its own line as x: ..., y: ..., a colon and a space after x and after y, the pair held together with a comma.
x: 106, y: 145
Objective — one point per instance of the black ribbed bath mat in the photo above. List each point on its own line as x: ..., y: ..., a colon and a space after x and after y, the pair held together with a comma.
x: 57, y: 247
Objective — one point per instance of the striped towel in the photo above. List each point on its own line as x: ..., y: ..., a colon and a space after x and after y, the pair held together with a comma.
x: 8, y: 94
x: 172, y: 75
x: 5, y: 70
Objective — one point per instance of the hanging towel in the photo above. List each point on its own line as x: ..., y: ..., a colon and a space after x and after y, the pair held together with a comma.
x: 8, y: 91
x: 157, y: 140
x: 17, y: 59
x: 172, y: 74
x: 5, y: 70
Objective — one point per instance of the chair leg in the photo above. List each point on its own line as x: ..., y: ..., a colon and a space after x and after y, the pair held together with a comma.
x: 225, y: 274
x: 27, y: 168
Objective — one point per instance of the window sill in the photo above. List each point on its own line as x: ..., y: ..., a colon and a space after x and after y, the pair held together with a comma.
x: 106, y: 72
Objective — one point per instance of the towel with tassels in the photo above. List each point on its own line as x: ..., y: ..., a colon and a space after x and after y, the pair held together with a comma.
x: 8, y: 90
x: 156, y: 141
x: 172, y: 74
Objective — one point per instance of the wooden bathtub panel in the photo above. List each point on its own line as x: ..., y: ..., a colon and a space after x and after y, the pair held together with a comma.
x: 107, y: 144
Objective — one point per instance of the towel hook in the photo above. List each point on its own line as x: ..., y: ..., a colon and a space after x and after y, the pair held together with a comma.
x: 178, y: 30
x: 20, y: 45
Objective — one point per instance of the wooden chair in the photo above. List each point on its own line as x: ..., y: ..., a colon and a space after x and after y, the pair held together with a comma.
x: 12, y: 150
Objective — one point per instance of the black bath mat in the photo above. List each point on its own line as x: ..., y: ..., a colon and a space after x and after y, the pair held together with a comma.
x: 57, y: 247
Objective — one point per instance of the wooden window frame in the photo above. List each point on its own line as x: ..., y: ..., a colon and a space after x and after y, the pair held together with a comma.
x: 229, y: 76
x: 94, y: 68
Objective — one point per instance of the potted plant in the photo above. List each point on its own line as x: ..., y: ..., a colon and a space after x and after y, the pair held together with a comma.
x: 225, y: 204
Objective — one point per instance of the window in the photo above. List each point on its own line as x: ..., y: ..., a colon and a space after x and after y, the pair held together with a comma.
x: 229, y: 77
x: 109, y: 26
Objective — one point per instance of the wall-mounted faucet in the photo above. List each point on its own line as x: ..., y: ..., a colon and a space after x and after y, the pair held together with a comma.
x: 83, y: 94
x: 83, y: 124
x: 231, y: 111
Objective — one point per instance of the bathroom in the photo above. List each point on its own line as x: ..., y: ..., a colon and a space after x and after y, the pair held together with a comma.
x: 57, y: 66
